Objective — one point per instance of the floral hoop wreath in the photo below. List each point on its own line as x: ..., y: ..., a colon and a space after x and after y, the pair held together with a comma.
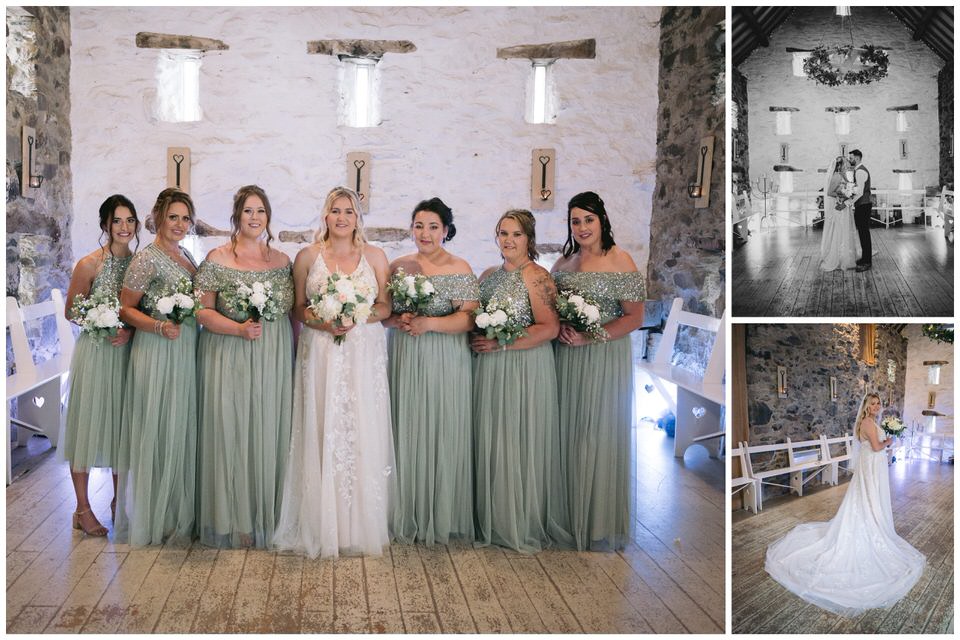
x: 818, y: 67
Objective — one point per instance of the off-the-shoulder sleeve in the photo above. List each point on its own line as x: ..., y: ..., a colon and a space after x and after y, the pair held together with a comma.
x: 142, y: 270
x: 632, y: 287
x: 205, y: 279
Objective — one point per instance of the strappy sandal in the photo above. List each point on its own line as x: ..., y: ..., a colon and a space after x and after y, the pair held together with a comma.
x: 98, y: 531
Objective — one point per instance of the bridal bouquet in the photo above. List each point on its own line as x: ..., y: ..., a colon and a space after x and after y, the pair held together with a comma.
x: 344, y: 301
x: 414, y: 291
x: 180, y: 304
x: 845, y: 194
x: 257, y: 300
x: 582, y: 314
x: 893, y: 426
x: 499, y: 323
x: 98, y: 315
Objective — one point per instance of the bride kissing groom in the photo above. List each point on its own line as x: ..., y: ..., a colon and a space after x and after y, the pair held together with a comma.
x: 846, y: 215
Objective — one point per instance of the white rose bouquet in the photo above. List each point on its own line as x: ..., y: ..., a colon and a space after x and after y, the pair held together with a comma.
x: 181, y: 304
x: 257, y: 300
x: 893, y: 426
x: 411, y: 292
x: 499, y: 323
x: 343, y: 301
x: 97, y: 315
x: 582, y: 314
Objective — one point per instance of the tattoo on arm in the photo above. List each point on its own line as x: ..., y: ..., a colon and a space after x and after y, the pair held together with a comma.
x: 544, y: 287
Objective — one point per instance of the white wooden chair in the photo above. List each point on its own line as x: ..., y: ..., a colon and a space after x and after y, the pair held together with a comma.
x: 699, y: 399
x: 839, y: 462
x: 749, y: 486
x: 40, y: 389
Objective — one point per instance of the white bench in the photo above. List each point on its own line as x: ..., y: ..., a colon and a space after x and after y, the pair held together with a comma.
x: 837, y: 461
x: 699, y: 399
x: 945, y: 209
x: 749, y: 486
x: 805, y: 460
x: 40, y: 389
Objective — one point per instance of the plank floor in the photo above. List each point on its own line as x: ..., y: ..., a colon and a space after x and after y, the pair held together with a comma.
x: 670, y: 580
x: 922, y: 494
x: 777, y: 273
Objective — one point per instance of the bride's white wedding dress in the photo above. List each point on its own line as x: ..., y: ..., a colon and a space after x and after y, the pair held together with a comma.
x: 339, y: 479
x: 855, y: 561
x: 840, y: 244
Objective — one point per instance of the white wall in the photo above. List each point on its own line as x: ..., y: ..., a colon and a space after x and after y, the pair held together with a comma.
x: 813, y: 144
x: 453, y: 122
x: 920, y: 349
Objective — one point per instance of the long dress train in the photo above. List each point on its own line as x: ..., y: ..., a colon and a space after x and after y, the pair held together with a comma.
x: 856, y: 561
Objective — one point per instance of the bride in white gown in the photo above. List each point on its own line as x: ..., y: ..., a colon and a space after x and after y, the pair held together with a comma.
x: 840, y: 244
x: 339, y: 480
x: 855, y: 561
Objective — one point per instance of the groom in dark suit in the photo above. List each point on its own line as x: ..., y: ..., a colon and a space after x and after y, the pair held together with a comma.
x: 862, y: 208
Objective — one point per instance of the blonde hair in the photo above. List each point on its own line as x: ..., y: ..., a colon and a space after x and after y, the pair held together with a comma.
x: 862, y: 412
x: 359, y: 239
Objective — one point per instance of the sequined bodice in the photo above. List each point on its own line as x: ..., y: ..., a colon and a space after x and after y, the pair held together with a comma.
x: 219, y: 278
x: 449, y: 287
x: 607, y: 290
x: 109, y: 279
x: 507, y: 288
x: 155, y: 274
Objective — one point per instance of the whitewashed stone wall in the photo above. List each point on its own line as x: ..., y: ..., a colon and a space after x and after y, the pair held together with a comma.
x: 920, y: 349
x: 453, y: 122
x: 813, y: 144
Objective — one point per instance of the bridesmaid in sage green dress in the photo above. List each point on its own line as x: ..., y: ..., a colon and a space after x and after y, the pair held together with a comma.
x: 245, y: 376
x: 430, y: 388
x: 595, y: 378
x: 519, y: 497
x: 98, y: 370
x: 158, y: 441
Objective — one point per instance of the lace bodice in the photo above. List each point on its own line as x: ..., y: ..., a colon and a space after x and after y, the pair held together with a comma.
x: 155, y: 274
x: 605, y: 289
x: 219, y: 278
x: 507, y: 288
x: 109, y: 278
x: 449, y: 287
x: 319, y: 272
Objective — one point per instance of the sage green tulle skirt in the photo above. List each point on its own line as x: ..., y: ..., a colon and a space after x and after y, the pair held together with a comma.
x: 430, y: 397
x: 596, y: 417
x: 246, y: 401
x: 158, y: 442
x: 98, y: 374
x: 519, y: 496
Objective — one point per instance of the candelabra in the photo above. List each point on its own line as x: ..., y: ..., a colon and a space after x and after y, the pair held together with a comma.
x: 765, y: 188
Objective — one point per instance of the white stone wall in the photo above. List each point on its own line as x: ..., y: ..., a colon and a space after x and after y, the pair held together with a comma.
x: 453, y: 116
x: 920, y: 349
x: 813, y: 144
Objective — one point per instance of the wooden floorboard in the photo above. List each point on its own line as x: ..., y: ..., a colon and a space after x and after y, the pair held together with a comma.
x: 777, y: 274
x: 668, y: 580
x: 922, y: 500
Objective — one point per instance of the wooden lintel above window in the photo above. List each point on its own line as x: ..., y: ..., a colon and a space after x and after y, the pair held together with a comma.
x: 929, y: 363
x: 148, y: 40
x: 373, y: 49
x: 904, y: 170
x: 784, y: 109
x: 841, y: 109
x: 582, y: 49
x: 906, y: 107
x: 786, y: 167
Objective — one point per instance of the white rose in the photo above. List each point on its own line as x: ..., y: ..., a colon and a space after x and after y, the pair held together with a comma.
x: 108, y: 318
x: 409, y: 281
x: 362, y: 312
x: 428, y: 287
x: 258, y: 299
x: 345, y: 287
x: 498, y: 318
x: 483, y: 320
x: 165, y: 305
x: 576, y: 301
x: 183, y: 301
x: 330, y: 308
x: 257, y: 287
x: 92, y: 315
x: 592, y: 313
x: 412, y: 289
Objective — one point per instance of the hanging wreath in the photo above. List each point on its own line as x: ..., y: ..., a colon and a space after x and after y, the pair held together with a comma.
x: 818, y: 67
x: 938, y: 332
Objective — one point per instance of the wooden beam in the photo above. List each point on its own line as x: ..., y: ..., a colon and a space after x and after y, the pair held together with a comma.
x: 570, y: 49
x: 373, y: 49
x: 925, y: 22
x: 754, y: 25
x: 149, y: 40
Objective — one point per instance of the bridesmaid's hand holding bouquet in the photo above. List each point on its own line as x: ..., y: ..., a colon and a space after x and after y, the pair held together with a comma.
x: 97, y: 315
x: 181, y: 304
x: 581, y: 314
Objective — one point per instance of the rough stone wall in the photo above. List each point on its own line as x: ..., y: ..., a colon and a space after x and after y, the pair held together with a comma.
x: 813, y: 144
x: 920, y: 349
x: 812, y: 353
x: 945, y: 105
x: 453, y: 116
x: 691, y: 73
x: 38, y: 230
x: 740, y: 157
